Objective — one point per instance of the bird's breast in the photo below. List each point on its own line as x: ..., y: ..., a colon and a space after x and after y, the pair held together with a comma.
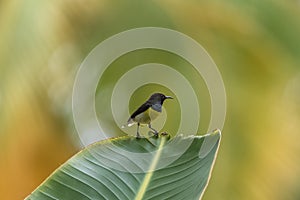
x: 153, y: 113
x: 147, y: 116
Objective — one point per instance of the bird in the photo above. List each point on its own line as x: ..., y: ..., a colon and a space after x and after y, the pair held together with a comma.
x: 147, y: 112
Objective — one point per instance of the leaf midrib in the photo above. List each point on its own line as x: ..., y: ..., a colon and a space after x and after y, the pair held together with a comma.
x: 148, y: 175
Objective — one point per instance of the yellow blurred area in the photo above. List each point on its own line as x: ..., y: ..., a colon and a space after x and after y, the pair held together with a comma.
x: 255, y: 44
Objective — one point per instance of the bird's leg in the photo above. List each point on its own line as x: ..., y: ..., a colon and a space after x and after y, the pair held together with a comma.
x: 155, y: 131
x: 137, y: 131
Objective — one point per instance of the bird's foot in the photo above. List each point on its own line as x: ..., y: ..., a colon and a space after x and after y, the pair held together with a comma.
x: 138, y: 136
x: 164, y: 133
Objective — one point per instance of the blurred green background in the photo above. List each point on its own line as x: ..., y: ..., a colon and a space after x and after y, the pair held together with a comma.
x: 255, y: 44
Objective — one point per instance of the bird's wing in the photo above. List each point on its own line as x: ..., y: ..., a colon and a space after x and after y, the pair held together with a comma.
x: 141, y: 109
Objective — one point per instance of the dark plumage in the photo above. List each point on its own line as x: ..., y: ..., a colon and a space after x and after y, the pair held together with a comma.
x: 148, y: 111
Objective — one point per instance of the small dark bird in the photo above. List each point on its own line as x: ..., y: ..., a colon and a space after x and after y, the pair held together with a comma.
x: 147, y: 112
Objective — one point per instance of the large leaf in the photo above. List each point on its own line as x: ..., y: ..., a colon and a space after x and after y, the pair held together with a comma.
x: 130, y: 168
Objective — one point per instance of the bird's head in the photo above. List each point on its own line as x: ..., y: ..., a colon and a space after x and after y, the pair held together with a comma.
x: 158, y: 98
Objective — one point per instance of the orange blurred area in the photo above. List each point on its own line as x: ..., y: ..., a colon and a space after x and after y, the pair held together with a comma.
x: 255, y: 44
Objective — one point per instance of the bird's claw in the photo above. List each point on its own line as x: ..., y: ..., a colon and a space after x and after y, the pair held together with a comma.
x: 138, y: 136
x: 164, y: 133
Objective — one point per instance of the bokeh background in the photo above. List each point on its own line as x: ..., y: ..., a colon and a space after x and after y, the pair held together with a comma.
x: 255, y: 44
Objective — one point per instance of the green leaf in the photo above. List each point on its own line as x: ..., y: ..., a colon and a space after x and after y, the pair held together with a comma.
x: 130, y: 168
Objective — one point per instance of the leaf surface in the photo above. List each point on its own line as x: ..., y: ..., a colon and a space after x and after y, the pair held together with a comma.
x: 130, y: 168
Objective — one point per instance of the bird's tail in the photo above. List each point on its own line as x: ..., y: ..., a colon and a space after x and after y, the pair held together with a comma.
x: 130, y: 123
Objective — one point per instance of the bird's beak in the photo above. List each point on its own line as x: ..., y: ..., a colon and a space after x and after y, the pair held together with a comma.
x: 169, y: 97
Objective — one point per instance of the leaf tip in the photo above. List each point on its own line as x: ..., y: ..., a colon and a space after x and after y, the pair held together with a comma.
x: 216, y: 132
